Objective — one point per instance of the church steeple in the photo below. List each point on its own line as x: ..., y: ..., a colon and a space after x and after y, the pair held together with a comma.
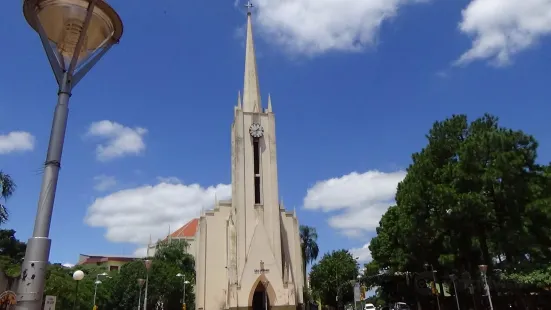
x: 251, y: 89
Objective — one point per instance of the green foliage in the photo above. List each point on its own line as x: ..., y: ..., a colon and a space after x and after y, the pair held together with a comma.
x: 169, y: 260
x: 334, y: 275
x: 120, y: 290
x: 7, y: 188
x: 60, y: 283
x: 474, y: 193
x: 12, y: 252
x: 310, y: 251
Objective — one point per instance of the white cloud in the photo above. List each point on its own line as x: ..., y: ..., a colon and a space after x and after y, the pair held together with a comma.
x: 104, y: 182
x: 119, y: 140
x: 170, y: 180
x: 16, y: 141
x: 132, y: 215
x: 502, y: 28
x: 141, y: 252
x: 317, y: 26
x: 363, y: 254
x: 68, y: 265
x: 358, y: 199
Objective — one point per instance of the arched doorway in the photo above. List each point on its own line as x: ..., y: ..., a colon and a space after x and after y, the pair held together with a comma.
x: 261, y: 301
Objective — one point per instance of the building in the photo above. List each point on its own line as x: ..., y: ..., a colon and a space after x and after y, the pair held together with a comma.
x: 186, y: 232
x: 248, y: 248
x: 109, y: 262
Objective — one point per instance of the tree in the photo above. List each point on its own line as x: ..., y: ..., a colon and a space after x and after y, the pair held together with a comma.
x: 12, y: 252
x: 7, y: 188
x: 310, y: 250
x: 475, y: 194
x: 60, y: 283
x: 170, y: 259
x: 334, y: 275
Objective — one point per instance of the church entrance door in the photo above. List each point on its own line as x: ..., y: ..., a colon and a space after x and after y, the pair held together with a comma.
x: 260, y: 298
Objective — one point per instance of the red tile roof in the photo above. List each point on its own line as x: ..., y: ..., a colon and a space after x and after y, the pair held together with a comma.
x: 100, y: 259
x: 188, y: 230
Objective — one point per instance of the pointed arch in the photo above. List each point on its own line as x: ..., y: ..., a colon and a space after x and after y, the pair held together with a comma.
x: 262, y: 280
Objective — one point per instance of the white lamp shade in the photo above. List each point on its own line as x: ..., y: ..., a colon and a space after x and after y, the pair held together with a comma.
x: 78, y: 275
x: 62, y: 21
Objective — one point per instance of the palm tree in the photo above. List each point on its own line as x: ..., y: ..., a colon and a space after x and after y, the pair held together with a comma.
x: 7, y: 187
x: 310, y: 250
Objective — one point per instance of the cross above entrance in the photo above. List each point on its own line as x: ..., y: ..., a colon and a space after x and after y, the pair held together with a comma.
x: 261, y: 270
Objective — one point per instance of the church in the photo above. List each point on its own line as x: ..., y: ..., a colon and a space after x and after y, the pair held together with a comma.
x: 247, y: 249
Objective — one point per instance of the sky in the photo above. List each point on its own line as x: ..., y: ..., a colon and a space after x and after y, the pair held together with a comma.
x: 355, y: 86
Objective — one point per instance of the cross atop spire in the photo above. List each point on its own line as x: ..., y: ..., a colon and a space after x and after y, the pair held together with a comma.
x: 249, y: 7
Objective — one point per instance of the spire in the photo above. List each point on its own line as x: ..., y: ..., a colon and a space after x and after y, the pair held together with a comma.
x: 239, y: 102
x: 269, y: 103
x: 251, y: 89
x: 148, y: 246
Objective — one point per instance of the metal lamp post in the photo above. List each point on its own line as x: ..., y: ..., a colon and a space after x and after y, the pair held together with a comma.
x: 359, y: 277
x: 147, y: 263
x: 75, y: 34
x: 183, y: 276
x: 453, y: 278
x: 77, y: 276
x: 483, y: 269
x: 434, y: 280
x: 96, y: 283
x: 140, y: 284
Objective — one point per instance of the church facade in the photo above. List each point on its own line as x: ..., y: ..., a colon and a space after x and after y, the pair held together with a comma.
x: 247, y: 249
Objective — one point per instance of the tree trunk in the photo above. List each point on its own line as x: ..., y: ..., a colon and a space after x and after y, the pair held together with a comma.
x: 484, y: 247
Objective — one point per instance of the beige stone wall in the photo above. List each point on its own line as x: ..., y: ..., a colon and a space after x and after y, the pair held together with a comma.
x: 211, y: 262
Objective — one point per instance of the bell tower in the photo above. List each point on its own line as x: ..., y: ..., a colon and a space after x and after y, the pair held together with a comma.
x: 249, y: 251
x: 254, y: 162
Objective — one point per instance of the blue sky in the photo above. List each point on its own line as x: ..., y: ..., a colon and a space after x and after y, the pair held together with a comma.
x: 355, y: 87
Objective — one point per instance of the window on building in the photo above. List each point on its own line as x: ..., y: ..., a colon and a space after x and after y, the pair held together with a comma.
x: 113, y: 268
x: 256, y: 158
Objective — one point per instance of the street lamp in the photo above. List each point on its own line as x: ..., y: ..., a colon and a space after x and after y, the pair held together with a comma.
x: 147, y: 263
x: 434, y: 281
x: 483, y: 269
x: 359, y: 277
x: 75, y: 34
x: 77, y: 276
x: 453, y: 278
x: 183, y: 276
x: 96, y: 283
x: 140, y: 284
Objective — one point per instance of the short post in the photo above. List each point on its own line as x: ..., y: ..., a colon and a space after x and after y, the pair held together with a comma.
x: 147, y: 263
x: 453, y: 278
x: 483, y: 269
x: 140, y: 284
x: 434, y: 281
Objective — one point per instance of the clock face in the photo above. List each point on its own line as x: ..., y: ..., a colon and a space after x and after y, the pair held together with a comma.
x: 256, y: 130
